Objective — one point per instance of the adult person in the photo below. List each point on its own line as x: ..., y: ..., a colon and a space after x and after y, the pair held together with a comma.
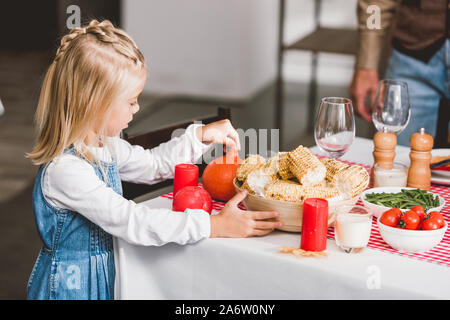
x: 420, y: 56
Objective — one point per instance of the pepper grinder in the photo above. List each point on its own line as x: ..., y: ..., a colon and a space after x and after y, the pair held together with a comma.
x: 384, y: 151
x: 419, y: 174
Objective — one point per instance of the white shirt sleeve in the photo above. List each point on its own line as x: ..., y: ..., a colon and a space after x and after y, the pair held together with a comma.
x: 150, y: 166
x: 71, y: 183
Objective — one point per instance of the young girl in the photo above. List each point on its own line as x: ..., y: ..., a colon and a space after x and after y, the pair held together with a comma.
x: 88, y: 96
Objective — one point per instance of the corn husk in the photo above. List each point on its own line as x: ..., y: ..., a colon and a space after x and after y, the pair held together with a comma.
x: 302, y: 253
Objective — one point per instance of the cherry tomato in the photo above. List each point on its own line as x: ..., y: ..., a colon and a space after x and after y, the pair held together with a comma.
x: 430, y: 224
x: 391, y: 217
x: 420, y: 211
x: 439, y: 218
x: 410, y: 220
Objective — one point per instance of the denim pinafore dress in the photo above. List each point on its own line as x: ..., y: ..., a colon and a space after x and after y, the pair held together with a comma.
x: 76, y: 260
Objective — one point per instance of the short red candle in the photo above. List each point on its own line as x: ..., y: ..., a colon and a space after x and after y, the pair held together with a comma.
x: 314, y: 225
x: 185, y: 175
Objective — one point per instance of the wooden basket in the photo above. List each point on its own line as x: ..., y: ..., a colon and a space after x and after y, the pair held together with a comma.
x: 290, y: 212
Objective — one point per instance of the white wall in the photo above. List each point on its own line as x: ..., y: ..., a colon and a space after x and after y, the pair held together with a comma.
x: 224, y: 48
x: 228, y: 48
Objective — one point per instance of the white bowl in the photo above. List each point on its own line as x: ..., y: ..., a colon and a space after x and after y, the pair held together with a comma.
x: 411, y: 240
x: 378, y: 210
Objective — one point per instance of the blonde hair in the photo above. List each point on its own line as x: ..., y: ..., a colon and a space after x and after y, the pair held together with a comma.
x: 92, y: 67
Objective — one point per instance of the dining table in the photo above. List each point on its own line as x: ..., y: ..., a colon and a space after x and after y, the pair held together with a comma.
x: 254, y: 268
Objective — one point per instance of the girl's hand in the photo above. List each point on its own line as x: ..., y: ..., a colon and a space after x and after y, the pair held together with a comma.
x: 233, y: 222
x: 221, y: 132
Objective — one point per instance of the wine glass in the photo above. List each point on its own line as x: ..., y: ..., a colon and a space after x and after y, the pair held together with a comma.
x: 334, y: 130
x: 391, y: 110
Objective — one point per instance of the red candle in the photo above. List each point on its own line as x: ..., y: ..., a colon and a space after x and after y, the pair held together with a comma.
x: 185, y: 175
x: 314, y: 225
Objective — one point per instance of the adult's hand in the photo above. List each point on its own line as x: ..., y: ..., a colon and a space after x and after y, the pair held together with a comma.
x: 364, y: 85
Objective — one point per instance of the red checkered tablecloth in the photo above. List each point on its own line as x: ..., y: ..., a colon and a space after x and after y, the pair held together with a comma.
x: 439, y: 254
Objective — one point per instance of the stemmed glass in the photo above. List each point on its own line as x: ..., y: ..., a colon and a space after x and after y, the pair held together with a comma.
x: 334, y: 129
x: 391, y: 110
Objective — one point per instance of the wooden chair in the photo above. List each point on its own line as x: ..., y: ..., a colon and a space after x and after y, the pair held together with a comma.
x: 442, y: 138
x: 154, y: 138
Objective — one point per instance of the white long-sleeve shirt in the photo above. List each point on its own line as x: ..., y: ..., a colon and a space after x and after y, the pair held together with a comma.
x: 71, y: 183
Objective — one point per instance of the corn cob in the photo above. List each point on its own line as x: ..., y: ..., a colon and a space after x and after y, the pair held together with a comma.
x: 272, y: 167
x: 279, y: 167
x: 333, y: 167
x: 323, y: 183
x: 287, y: 190
x: 247, y: 187
x: 258, y: 179
x: 293, y: 179
x: 283, y: 166
x: 252, y: 162
x: 323, y: 192
x: 351, y: 180
x: 305, y: 166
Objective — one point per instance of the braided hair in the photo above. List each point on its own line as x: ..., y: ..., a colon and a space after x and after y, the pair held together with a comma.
x: 93, y: 65
x: 106, y: 33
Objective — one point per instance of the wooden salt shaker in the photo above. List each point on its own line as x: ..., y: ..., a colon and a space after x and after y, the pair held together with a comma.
x: 419, y: 173
x: 384, y: 143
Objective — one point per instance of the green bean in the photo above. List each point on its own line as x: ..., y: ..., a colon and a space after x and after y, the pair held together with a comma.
x: 405, y: 199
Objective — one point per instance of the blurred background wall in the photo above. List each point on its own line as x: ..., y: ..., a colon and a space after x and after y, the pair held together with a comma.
x: 209, y: 48
x: 229, y: 48
x: 222, y: 51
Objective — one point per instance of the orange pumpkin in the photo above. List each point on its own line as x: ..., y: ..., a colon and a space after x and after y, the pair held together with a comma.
x: 219, y: 174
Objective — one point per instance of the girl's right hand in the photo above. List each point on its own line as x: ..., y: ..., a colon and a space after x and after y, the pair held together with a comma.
x: 233, y: 222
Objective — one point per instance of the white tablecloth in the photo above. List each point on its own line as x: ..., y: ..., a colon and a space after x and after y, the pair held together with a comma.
x: 252, y: 268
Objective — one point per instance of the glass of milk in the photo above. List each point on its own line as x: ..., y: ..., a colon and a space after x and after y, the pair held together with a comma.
x: 352, y: 228
x: 395, y: 177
